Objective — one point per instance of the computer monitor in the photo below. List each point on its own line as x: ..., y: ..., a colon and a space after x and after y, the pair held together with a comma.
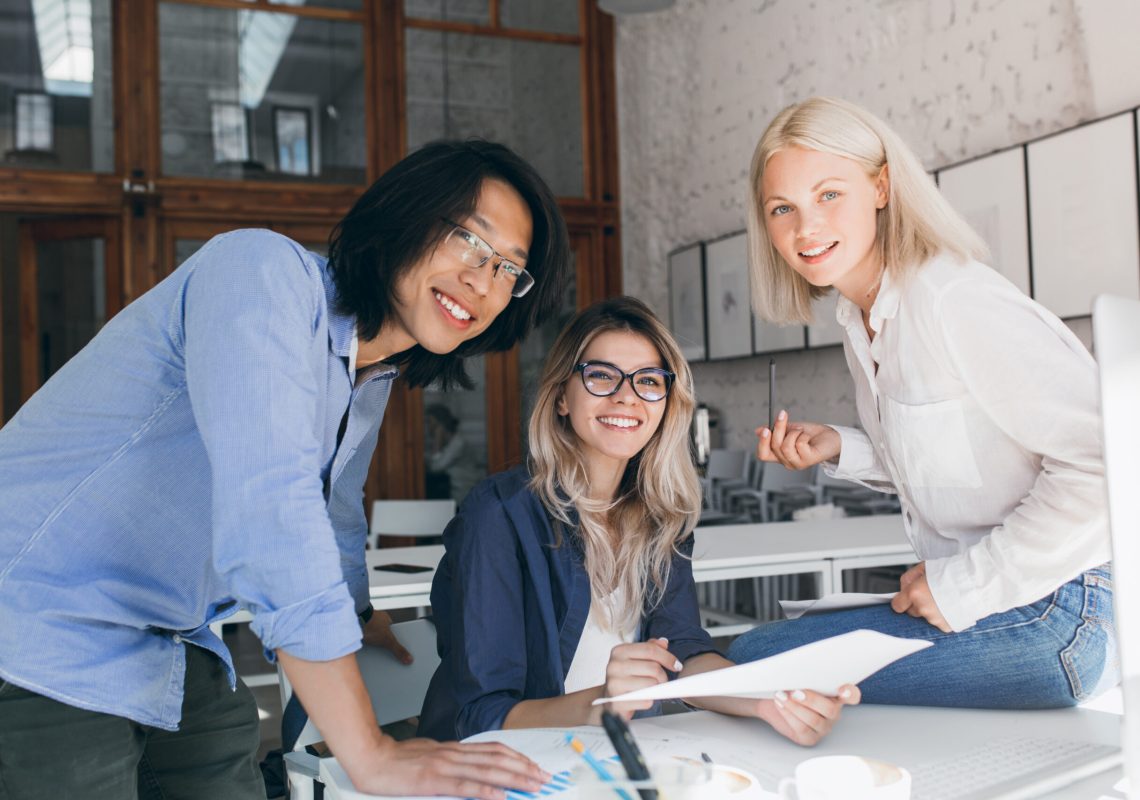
x: 1116, y: 339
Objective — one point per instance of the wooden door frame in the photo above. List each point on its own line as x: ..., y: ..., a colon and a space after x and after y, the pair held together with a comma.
x: 60, y: 229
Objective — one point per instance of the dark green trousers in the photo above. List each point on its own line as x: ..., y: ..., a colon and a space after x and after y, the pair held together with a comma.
x: 55, y: 751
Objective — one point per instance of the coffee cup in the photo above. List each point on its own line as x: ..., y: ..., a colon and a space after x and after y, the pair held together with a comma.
x: 846, y: 778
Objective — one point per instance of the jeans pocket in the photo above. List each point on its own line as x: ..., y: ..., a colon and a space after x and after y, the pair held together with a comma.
x: 1084, y: 659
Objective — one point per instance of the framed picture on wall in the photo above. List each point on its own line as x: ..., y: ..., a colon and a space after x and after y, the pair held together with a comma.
x: 768, y: 337
x: 727, y: 299
x: 292, y: 140
x: 687, y: 300
x: 825, y: 331
x: 1083, y: 216
x: 989, y: 192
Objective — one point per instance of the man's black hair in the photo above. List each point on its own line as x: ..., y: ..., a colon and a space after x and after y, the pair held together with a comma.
x: 399, y: 220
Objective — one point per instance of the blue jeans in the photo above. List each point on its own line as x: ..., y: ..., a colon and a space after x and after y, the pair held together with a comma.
x: 1054, y: 653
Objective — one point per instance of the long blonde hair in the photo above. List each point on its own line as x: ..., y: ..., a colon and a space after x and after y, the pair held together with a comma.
x: 916, y: 224
x: 630, y: 540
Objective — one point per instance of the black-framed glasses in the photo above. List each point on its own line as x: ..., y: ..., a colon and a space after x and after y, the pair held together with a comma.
x: 474, y: 252
x: 602, y: 379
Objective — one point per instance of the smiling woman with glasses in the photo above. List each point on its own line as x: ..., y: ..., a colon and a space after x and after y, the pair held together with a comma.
x: 571, y: 579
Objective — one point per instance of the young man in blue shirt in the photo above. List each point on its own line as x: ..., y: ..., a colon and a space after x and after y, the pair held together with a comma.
x: 207, y: 451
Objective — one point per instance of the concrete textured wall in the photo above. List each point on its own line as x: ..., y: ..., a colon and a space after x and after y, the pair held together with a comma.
x: 698, y: 83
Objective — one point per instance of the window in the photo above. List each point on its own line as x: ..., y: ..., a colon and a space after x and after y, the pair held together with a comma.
x: 33, y: 121
x: 231, y: 138
x: 291, y: 136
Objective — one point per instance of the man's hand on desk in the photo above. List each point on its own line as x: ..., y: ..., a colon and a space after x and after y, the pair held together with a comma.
x: 334, y: 695
x: 378, y: 633
x: 914, y: 598
x: 424, y: 766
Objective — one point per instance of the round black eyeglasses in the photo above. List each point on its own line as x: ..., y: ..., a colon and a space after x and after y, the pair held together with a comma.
x: 603, y: 379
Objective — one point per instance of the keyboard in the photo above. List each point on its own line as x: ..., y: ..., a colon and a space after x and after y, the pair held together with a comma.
x: 1011, y: 767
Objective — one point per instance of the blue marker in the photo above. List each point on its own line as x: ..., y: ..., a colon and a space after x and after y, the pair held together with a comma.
x: 597, y: 766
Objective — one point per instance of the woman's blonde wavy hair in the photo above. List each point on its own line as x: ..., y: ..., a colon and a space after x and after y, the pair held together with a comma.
x: 628, y: 541
x: 916, y: 224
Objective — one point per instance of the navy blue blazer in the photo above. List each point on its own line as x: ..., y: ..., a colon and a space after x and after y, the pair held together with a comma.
x: 509, y: 608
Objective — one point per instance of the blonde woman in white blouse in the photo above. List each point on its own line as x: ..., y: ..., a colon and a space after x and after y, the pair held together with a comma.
x: 978, y: 407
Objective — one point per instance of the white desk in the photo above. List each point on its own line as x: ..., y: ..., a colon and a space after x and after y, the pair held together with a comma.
x: 724, y: 552
x: 908, y: 737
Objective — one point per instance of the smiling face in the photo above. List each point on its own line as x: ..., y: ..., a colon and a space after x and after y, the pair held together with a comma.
x: 611, y: 430
x: 820, y: 213
x: 440, y: 301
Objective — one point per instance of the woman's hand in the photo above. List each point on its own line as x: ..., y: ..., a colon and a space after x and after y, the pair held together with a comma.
x: 805, y: 717
x: 915, y: 598
x: 635, y: 666
x: 797, y: 445
x: 378, y: 633
x: 423, y: 766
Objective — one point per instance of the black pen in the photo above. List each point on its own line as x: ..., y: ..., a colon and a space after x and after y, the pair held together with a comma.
x: 628, y: 752
x: 771, y: 393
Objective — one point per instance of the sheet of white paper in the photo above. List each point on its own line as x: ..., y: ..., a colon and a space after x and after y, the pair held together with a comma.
x: 821, y: 666
x: 794, y: 609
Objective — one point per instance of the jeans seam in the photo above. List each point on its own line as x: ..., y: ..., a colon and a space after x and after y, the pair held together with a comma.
x: 154, y: 786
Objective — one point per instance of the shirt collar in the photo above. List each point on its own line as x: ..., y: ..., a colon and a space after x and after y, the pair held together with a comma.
x: 343, y: 338
x: 342, y: 327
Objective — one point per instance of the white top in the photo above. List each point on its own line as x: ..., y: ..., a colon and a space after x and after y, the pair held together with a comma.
x: 983, y: 416
x: 588, y: 669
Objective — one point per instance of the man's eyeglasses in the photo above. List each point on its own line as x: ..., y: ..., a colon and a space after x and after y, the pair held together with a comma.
x: 603, y: 379
x: 474, y: 252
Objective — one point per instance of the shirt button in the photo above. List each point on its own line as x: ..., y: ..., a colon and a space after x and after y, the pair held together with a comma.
x: 177, y: 639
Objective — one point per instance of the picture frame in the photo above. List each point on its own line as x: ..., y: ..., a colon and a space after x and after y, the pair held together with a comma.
x: 728, y: 297
x: 990, y: 194
x: 687, y: 300
x: 1084, y: 230
x: 293, y: 140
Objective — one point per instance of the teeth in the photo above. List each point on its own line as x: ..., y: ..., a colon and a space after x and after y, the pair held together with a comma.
x: 818, y: 251
x: 619, y: 422
x: 456, y: 310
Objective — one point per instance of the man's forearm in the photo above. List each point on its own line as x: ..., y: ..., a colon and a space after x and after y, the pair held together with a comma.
x: 337, y: 702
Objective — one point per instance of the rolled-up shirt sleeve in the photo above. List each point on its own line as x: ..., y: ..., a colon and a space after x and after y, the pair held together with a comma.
x: 1038, y: 385
x: 487, y: 659
x: 255, y: 352
x: 858, y: 461
x: 677, y: 616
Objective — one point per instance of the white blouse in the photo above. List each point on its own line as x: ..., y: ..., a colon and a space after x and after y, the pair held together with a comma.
x: 983, y: 416
x: 588, y: 669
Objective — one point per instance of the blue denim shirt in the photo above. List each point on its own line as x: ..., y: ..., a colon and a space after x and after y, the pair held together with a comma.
x: 510, y: 606
x: 182, y: 465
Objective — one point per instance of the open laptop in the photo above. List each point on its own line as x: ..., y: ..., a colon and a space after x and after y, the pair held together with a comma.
x: 1116, y: 335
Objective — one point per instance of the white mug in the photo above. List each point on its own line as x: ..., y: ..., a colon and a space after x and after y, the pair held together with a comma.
x: 846, y: 778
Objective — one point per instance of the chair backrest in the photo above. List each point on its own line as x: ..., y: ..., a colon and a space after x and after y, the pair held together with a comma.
x: 777, y: 477
x: 727, y: 464
x: 397, y: 690
x: 411, y: 517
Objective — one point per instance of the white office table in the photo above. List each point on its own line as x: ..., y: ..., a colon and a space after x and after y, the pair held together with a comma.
x: 725, y: 552
x: 907, y: 736
x: 824, y: 548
